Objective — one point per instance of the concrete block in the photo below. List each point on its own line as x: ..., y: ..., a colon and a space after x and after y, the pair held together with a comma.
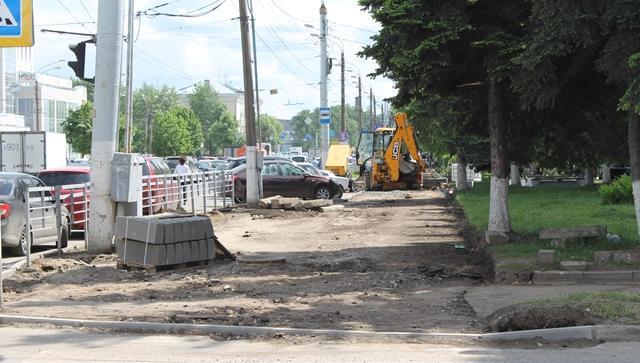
x: 317, y: 203
x: 545, y: 257
x: 496, y: 238
x: 574, y: 232
x: 332, y: 208
x: 636, y: 276
x: 558, y: 276
x: 609, y: 276
x: 573, y: 265
x: 631, y: 257
x: 266, y: 202
x: 603, y: 256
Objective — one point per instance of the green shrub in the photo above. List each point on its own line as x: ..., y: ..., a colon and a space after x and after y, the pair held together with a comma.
x: 618, y: 192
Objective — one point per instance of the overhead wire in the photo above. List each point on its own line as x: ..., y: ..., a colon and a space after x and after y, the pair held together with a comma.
x: 87, y: 11
x: 72, y: 15
x: 152, y: 13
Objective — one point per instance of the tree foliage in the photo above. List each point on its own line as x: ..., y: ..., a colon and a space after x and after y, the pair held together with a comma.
x: 148, y: 103
x: 219, y: 125
x: 78, y: 128
x: 177, y: 131
x: 305, y: 134
x: 271, y: 128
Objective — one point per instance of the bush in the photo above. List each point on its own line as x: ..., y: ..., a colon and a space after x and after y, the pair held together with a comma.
x: 618, y: 192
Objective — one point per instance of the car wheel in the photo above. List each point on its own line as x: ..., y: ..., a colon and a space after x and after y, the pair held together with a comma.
x: 323, y: 192
x: 339, y: 193
x: 21, y: 249
x: 240, y: 199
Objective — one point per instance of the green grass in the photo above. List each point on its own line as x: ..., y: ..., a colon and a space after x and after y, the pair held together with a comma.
x: 612, y: 305
x: 532, y: 209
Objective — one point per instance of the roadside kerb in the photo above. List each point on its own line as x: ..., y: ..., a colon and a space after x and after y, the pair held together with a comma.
x: 19, y: 264
x: 555, y: 334
x: 586, y: 276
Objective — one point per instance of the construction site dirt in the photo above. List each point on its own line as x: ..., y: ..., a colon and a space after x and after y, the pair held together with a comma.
x: 388, y: 261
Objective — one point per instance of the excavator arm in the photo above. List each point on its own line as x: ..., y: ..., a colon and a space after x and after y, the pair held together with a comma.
x: 403, y: 135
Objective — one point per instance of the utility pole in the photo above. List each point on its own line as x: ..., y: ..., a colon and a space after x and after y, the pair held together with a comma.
x: 375, y: 110
x: 359, y: 104
x: 129, y: 106
x: 255, y: 73
x: 371, y: 118
x: 105, y: 123
x: 38, y: 108
x: 324, y: 128
x: 343, y: 122
x: 253, y: 174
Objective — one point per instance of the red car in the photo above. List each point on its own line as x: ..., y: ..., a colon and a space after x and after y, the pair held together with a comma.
x: 164, y: 191
x: 72, y: 198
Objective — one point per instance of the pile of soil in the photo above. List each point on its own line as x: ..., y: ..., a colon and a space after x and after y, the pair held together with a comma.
x: 527, y: 317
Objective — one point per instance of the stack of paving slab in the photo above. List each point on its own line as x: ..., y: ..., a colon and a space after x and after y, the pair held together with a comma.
x: 278, y: 202
x: 164, y: 240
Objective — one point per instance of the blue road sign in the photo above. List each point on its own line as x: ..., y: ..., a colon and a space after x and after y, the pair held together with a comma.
x: 343, y: 136
x: 283, y: 135
x: 325, y: 115
x: 16, y: 23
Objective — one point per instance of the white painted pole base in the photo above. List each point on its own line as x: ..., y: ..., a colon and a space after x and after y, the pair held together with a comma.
x: 253, y: 189
x: 499, y: 205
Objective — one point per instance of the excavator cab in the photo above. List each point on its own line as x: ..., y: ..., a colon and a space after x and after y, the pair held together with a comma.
x: 390, y: 158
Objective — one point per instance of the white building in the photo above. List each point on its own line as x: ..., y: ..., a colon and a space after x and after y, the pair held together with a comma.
x: 12, y: 61
x: 45, y: 102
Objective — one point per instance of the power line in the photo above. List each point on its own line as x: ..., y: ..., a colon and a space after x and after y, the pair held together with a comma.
x: 87, y: 11
x: 152, y: 13
x: 72, y: 15
x: 289, y: 15
x: 283, y: 63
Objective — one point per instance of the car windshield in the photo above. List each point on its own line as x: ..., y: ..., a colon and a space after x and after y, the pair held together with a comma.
x: 6, y: 187
x: 310, y: 169
x: 64, y: 178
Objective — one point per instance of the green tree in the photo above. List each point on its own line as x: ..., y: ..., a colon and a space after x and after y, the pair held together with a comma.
x: 148, y: 103
x: 177, y: 131
x: 271, y: 128
x: 219, y: 126
x: 78, y: 128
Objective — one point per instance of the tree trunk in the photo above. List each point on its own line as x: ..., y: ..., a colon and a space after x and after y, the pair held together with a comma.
x: 634, y: 158
x: 461, y: 171
x: 606, y: 174
x: 588, y: 177
x: 498, y: 196
x: 515, y: 175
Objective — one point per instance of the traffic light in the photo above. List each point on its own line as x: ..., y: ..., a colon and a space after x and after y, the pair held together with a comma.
x: 79, y: 50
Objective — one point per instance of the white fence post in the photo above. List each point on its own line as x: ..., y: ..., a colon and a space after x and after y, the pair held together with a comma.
x: 204, y: 193
x: 193, y: 196
x: 86, y: 216
x: 1, y: 268
x: 59, y: 229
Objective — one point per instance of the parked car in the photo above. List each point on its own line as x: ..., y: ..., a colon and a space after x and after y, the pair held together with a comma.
x: 281, y: 177
x: 212, y: 165
x: 172, y: 162
x: 73, y: 198
x: 344, y: 183
x: 300, y: 158
x: 236, y: 162
x: 162, y: 189
x: 13, y: 205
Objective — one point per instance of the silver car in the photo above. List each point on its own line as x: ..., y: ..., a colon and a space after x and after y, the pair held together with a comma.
x: 13, y: 205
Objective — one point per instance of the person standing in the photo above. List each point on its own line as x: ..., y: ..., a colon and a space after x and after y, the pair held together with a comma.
x: 182, y: 169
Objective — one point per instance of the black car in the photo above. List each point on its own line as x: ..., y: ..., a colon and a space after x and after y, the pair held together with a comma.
x: 281, y: 177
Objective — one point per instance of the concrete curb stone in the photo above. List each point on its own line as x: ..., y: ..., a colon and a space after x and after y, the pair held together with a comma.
x: 555, y: 334
x: 586, y: 276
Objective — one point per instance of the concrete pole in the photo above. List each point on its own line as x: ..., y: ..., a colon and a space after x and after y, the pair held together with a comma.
x: 105, y: 122
x: 253, y: 174
x: 359, y: 104
x: 255, y: 72
x: 343, y: 122
x: 371, y: 119
x: 324, y: 128
x: 38, y: 108
x: 129, y: 107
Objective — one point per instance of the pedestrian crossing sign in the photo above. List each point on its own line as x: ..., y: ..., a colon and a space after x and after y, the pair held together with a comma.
x: 16, y: 23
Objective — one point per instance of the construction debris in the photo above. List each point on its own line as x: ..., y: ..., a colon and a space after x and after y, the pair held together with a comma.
x: 279, y: 202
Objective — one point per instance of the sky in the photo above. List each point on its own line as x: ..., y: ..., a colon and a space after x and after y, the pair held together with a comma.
x: 181, y: 52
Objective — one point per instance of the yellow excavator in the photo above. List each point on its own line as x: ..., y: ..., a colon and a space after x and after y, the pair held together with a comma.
x: 389, y: 159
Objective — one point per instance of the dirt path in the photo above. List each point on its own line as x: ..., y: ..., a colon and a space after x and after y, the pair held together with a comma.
x: 386, y: 262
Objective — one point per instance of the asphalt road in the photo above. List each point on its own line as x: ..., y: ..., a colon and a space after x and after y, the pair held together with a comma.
x: 69, y: 345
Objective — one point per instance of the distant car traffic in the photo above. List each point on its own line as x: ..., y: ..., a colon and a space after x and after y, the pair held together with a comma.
x: 236, y: 162
x: 281, y: 177
x: 212, y: 165
x: 173, y: 161
x: 73, y: 198
x: 344, y: 183
x: 13, y: 196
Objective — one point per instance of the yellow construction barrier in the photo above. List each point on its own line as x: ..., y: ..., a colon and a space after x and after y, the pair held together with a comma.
x: 338, y: 159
